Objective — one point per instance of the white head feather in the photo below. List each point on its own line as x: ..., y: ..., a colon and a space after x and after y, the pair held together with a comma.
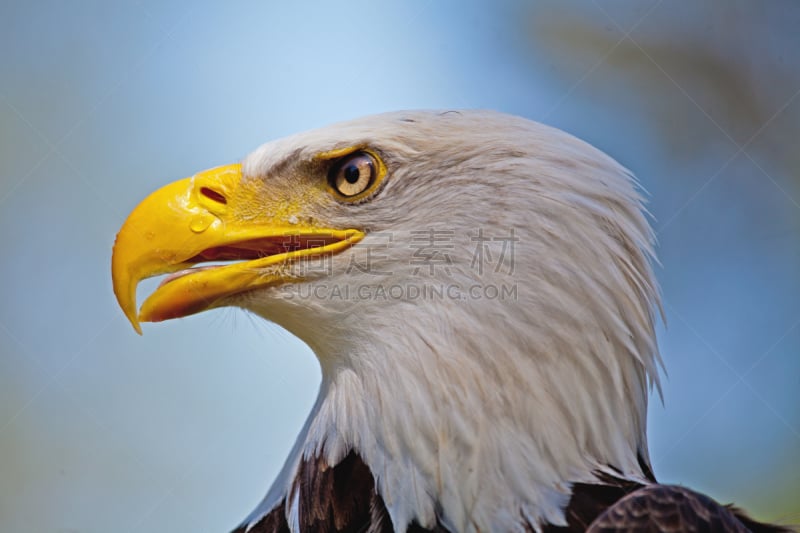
x: 475, y: 410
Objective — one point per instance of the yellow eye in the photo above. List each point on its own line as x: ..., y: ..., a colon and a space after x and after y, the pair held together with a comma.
x: 354, y: 174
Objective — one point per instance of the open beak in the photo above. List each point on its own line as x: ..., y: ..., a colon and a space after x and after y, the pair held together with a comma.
x: 200, y: 219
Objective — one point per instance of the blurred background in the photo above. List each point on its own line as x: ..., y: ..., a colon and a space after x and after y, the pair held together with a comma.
x: 183, y: 429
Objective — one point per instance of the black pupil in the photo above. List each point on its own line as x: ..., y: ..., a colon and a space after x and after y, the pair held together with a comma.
x: 351, y: 174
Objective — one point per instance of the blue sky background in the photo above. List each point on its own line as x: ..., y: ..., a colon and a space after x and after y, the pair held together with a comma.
x: 184, y: 428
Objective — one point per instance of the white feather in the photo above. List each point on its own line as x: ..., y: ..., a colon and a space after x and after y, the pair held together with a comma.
x: 478, y: 412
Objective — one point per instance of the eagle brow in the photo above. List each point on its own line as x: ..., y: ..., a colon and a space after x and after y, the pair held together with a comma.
x: 339, y: 152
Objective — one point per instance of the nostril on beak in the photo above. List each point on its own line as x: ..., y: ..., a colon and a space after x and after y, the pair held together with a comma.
x: 211, y: 194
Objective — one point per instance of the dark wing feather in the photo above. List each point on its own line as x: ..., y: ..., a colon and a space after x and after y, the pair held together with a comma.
x: 272, y: 522
x: 343, y: 499
x: 334, y: 499
x: 589, y: 500
x: 669, y: 508
x: 338, y: 499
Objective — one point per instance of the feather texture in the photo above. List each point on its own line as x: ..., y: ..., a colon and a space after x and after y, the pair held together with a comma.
x: 464, y: 412
x: 343, y: 498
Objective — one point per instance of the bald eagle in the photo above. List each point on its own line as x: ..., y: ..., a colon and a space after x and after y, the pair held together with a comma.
x: 478, y: 290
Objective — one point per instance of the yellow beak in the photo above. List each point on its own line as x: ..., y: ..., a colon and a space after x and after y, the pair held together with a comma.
x: 202, y: 219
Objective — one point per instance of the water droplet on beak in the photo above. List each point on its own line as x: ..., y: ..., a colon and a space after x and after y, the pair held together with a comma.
x: 200, y: 223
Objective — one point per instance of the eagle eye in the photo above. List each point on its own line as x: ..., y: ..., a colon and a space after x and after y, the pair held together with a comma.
x: 353, y: 174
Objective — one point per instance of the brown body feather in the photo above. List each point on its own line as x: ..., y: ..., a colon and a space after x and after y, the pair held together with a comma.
x: 343, y: 499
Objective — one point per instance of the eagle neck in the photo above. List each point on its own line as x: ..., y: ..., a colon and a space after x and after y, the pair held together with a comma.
x: 461, y: 432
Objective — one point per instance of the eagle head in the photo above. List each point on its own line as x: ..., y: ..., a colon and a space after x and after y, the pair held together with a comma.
x: 477, y: 288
